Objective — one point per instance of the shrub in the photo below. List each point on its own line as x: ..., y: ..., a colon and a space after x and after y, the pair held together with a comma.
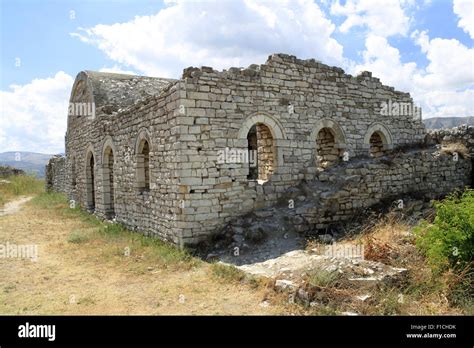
x: 449, y: 240
x: 323, y: 278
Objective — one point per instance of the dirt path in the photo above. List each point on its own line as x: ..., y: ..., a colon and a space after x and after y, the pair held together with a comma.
x: 90, y: 278
x: 14, y: 206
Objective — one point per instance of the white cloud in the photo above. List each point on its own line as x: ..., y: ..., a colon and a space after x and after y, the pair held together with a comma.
x: 443, y: 88
x: 451, y: 64
x: 448, y: 103
x: 382, y: 18
x: 220, y: 34
x: 34, y: 115
x: 384, y: 62
x: 464, y: 9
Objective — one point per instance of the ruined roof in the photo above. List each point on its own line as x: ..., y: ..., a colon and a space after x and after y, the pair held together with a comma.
x: 111, y: 92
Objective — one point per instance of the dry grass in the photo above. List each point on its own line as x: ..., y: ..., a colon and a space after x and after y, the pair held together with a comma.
x: 389, y: 240
x: 453, y: 148
x: 87, y: 267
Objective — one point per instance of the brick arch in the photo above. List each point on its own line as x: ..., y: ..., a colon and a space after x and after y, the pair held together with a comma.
x: 271, y: 122
x: 384, y: 133
x: 336, y: 130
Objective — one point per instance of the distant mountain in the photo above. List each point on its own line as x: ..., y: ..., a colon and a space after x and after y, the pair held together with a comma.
x: 30, y: 162
x: 447, y: 122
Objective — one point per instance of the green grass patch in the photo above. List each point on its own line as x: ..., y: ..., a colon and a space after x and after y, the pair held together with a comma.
x: 227, y: 272
x: 78, y: 237
x: 162, y: 253
x: 47, y: 200
x: 19, y: 185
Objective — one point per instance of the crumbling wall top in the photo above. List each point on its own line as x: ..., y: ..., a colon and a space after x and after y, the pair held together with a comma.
x: 255, y: 71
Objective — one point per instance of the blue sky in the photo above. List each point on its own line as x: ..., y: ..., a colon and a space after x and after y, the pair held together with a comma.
x: 422, y: 47
x: 38, y: 32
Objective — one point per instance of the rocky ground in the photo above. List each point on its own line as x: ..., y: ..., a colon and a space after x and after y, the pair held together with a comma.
x: 266, y: 244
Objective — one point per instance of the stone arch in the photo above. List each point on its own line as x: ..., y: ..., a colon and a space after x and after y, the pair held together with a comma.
x: 90, y: 178
x: 262, y: 133
x: 142, y: 134
x: 108, y: 142
x: 108, y: 160
x: 336, y: 130
x: 143, y: 148
x: 378, y: 140
x: 329, y: 140
x: 81, y: 99
x: 82, y: 89
x: 271, y: 122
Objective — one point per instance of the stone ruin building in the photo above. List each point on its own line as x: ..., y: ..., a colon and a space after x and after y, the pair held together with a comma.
x: 182, y: 159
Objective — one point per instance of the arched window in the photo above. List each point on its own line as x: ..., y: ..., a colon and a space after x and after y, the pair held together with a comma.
x: 330, y: 141
x: 376, y: 145
x: 378, y: 140
x: 263, y: 133
x: 261, y: 147
x: 108, y: 182
x: 327, y: 153
x: 143, y: 166
x: 90, y: 181
x: 252, y: 147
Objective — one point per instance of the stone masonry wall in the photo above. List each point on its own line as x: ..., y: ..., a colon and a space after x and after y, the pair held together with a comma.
x: 295, y: 99
x: 151, y: 212
x: 189, y: 124
x: 55, y: 174
x: 463, y: 134
x: 344, y: 191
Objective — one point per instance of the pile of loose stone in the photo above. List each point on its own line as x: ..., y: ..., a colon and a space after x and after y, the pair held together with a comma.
x: 463, y: 134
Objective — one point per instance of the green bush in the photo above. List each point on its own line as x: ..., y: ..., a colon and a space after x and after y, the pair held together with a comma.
x: 449, y: 241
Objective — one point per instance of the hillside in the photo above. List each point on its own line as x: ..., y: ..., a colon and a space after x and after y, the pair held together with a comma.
x: 447, y: 122
x: 30, y: 162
